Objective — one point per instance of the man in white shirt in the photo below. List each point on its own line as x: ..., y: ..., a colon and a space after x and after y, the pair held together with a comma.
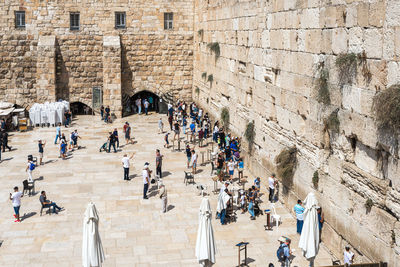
x: 146, y: 180
x: 16, y: 202
x: 29, y: 168
x: 348, y: 256
x: 125, y: 165
x: 272, y: 183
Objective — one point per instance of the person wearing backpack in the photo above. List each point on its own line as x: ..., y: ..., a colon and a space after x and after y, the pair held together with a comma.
x: 29, y: 168
x: 111, y: 142
x: 283, y: 252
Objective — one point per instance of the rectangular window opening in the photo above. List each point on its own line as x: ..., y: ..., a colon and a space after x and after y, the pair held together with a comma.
x: 74, y: 21
x: 19, y: 19
x: 120, y: 20
x: 168, y: 21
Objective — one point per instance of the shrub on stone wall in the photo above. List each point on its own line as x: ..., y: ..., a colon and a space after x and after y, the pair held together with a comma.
x: 322, y: 84
x: 204, y: 75
x: 346, y: 64
x: 210, y: 79
x: 368, y: 205
x: 214, y: 47
x: 225, y: 117
x: 315, y: 179
x: 250, y: 133
x: 332, y: 122
x: 286, y: 165
x: 386, y: 105
x: 197, y: 91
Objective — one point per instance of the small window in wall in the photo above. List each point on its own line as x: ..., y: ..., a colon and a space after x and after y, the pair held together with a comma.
x: 19, y: 19
x: 120, y: 20
x: 168, y: 21
x: 74, y: 22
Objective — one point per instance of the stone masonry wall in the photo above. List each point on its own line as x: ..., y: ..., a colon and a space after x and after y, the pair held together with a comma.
x: 79, y: 60
x: 17, y: 68
x: 270, y: 51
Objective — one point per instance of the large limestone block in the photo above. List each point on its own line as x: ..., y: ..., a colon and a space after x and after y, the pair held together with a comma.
x: 356, y: 44
x: 310, y: 18
x: 313, y: 41
x: 393, y: 13
x: 393, y: 76
x: 339, y: 40
x: 373, y: 43
x: 366, y: 159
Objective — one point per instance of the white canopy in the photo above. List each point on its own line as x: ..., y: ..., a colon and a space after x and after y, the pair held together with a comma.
x: 309, y: 239
x: 52, y: 113
x: 92, y: 249
x: 205, y: 243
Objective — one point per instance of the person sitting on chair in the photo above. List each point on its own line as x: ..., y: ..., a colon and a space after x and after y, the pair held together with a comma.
x: 47, y: 203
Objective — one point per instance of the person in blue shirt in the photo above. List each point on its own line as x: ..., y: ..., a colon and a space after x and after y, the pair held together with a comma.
x: 58, y: 133
x: 41, y: 150
x: 184, y: 124
x: 193, y: 130
x: 299, y: 210
x: 240, y: 168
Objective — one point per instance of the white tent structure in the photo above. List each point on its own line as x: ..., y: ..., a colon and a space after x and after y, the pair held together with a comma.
x: 205, y: 243
x: 92, y: 249
x: 48, y: 113
x: 309, y: 239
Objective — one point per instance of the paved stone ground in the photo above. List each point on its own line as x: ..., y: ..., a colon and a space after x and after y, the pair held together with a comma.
x: 134, y: 232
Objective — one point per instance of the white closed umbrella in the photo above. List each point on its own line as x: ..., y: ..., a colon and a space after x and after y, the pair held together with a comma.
x: 205, y: 243
x: 309, y: 239
x: 92, y: 249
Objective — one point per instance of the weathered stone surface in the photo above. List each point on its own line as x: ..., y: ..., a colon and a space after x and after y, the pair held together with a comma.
x: 355, y: 163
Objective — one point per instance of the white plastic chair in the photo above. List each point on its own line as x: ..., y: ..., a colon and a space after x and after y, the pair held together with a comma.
x: 275, y: 216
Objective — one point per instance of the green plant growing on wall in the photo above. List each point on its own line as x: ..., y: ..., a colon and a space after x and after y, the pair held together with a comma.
x: 214, y: 47
x: 315, y: 179
x: 225, y: 117
x: 250, y: 133
x: 210, y: 79
x: 332, y: 122
x: 200, y: 33
x: 346, y: 64
x: 368, y: 205
x: 322, y: 84
x: 204, y: 75
x: 197, y: 91
x: 286, y: 165
x: 365, y: 71
x: 393, y: 237
x: 386, y: 106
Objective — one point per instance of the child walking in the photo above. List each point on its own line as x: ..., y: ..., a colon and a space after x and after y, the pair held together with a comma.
x: 166, y: 145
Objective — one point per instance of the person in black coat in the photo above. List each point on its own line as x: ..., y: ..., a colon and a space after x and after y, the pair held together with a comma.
x: 4, y: 137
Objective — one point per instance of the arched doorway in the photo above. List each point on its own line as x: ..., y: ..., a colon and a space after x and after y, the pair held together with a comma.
x: 153, y: 99
x: 79, y: 108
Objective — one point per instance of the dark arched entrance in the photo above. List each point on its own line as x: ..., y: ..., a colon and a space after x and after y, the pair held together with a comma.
x: 153, y: 99
x: 79, y: 108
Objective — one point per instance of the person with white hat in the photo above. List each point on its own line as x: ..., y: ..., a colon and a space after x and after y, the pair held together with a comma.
x: 146, y: 179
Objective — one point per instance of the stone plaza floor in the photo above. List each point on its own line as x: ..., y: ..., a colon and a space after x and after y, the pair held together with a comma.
x: 134, y: 232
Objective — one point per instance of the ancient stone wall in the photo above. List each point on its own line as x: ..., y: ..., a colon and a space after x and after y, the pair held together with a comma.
x: 17, y: 68
x: 79, y: 53
x: 272, y: 53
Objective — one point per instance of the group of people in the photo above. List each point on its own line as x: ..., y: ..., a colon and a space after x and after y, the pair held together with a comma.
x: 105, y: 114
x: 64, y: 148
x: 146, y: 103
